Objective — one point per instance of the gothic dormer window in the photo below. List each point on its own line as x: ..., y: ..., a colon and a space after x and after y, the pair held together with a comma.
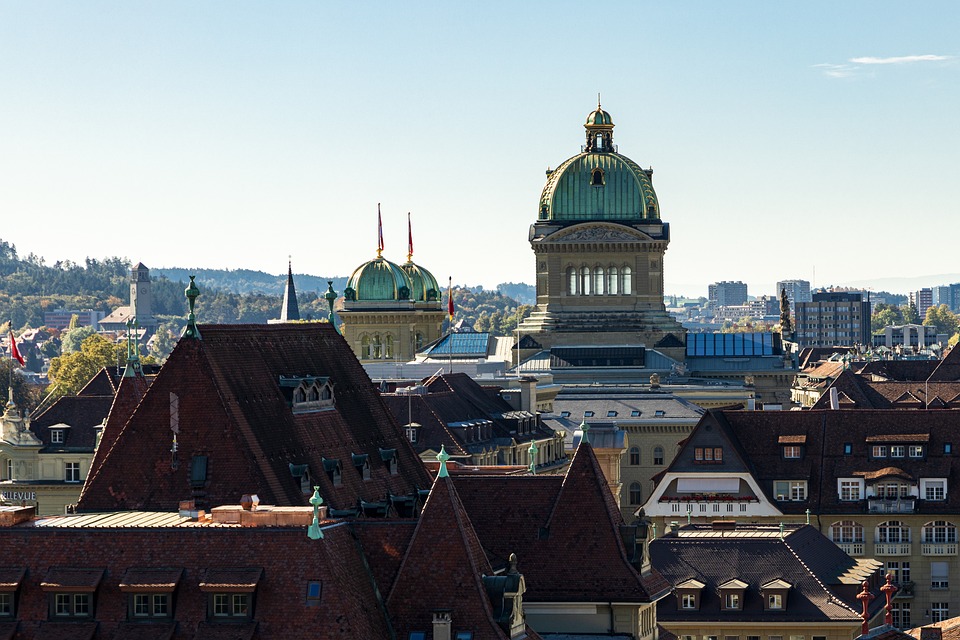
x: 307, y: 393
x: 361, y: 463
x: 333, y: 470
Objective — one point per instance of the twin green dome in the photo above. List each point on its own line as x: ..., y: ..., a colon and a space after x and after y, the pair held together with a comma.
x: 381, y: 280
x: 599, y: 183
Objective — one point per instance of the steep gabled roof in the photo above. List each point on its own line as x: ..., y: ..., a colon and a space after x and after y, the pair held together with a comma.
x: 442, y: 570
x: 533, y: 516
x: 949, y: 368
x: 230, y: 408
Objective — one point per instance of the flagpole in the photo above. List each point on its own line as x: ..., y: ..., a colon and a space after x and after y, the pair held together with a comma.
x: 450, y: 311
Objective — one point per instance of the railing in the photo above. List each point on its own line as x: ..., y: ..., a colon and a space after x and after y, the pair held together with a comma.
x: 892, y: 549
x: 851, y: 548
x: 878, y: 505
x: 938, y: 548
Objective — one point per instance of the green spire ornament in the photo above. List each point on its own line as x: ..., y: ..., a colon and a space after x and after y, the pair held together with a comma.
x: 331, y: 297
x: 313, y: 531
x: 533, y: 458
x: 442, y: 457
x: 192, y: 293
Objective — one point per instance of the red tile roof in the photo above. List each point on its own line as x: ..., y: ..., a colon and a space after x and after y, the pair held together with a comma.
x: 233, y: 411
x: 71, y: 579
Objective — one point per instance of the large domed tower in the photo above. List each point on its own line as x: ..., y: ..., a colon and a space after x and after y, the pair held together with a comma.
x: 599, y: 244
x: 390, y: 311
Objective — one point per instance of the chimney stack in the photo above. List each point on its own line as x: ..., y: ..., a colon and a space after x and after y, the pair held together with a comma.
x: 441, y: 625
x: 834, y: 399
x: 528, y: 394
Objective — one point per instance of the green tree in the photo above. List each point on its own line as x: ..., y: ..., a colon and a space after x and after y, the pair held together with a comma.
x: 885, y: 315
x: 909, y: 314
x: 943, y: 319
x: 71, y: 371
x: 164, y: 340
x: 25, y: 395
x: 73, y: 339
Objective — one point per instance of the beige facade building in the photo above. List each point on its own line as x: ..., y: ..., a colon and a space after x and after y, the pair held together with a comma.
x: 598, y: 244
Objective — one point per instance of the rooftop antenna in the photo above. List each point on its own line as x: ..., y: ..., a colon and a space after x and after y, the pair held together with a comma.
x: 598, y: 99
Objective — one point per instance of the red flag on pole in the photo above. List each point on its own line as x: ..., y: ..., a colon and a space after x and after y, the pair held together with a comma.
x: 409, y: 239
x: 379, y: 232
x: 15, y: 353
x: 450, y: 299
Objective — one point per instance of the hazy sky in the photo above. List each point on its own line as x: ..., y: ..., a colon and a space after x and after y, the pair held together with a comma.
x: 786, y: 139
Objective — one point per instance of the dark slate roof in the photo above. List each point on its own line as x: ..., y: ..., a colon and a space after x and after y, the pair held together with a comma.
x: 233, y: 411
x: 84, y: 414
x: 905, y: 370
x: 442, y: 569
x: 755, y: 437
x: 453, y: 398
x: 349, y: 606
x: 949, y: 368
x: 804, y: 558
x: 534, y: 516
x: 858, y: 391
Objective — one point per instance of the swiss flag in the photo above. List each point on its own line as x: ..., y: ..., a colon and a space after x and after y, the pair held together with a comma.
x: 14, y: 352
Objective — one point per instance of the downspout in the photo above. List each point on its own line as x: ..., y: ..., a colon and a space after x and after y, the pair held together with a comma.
x: 823, y: 444
x: 610, y: 604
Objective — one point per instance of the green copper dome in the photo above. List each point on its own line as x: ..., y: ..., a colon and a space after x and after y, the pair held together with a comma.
x: 600, y: 183
x: 378, y: 279
x: 424, y: 285
x: 599, y: 116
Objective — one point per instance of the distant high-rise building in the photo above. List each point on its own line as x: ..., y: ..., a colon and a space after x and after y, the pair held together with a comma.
x: 922, y: 300
x: 797, y: 290
x: 948, y: 294
x: 727, y: 293
x: 833, y: 318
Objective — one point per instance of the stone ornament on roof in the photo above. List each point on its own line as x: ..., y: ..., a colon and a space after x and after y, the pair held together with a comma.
x: 600, y: 233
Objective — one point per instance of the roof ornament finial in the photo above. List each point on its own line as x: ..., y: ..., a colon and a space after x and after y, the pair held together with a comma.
x: 313, y: 531
x: 409, y: 239
x: 379, y: 233
x: 781, y: 530
x: 584, y: 429
x: 598, y: 99
x: 808, y: 516
x: 888, y: 589
x: 331, y: 297
x: 533, y: 457
x: 192, y: 293
x: 689, y: 513
x: 865, y: 597
x: 442, y: 458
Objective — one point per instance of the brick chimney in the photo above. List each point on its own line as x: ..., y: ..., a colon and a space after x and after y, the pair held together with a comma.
x: 528, y: 394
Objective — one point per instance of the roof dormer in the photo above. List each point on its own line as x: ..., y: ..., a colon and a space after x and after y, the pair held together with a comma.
x: 775, y: 595
x: 689, y: 593
x: 731, y: 594
x: 307, y: 393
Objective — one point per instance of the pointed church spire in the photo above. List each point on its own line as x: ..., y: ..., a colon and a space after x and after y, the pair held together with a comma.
x: 290, y: 309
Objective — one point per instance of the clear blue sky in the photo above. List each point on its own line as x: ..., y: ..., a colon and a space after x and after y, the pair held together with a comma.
x: 785, y: 137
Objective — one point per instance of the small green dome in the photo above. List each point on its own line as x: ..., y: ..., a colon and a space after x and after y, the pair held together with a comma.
x: 378, y: 279
x: 599, y: 116
x: 424, y: 286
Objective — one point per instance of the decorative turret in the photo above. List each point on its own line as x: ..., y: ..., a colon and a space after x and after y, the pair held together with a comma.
x: 192, y: 293
x: 331, y: 297
x: 599, y: 126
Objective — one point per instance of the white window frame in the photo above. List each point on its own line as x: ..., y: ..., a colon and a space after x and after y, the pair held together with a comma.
x: 931, y: 485
x: 56, y: 436
x: 850, y: 483
x: 916, y: 451
x: 71, y: 472
x: 878, y: 451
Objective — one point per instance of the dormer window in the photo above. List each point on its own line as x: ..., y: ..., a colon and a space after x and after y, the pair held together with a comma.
x: 596, y: 178
x: 878, y: 451
x: 688, y: 595
x: 916, y: 451
x: 389, y: 457
x: 775, y: 595
x: 791, y: 451
x: 301, y: 472
x: 361, y: 463
x: 307, y: 393
x: 334, y: 471
x: 230, y: 593
x: 731, y: 594
x: 56, y: 436
x: 150, y: 592
x: 71, y: 592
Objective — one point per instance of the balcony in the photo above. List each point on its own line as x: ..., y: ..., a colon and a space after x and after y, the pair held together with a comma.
x: 893, y: 505
x: 851, y: 548
x: 892, y: 549
x: 938, y: 548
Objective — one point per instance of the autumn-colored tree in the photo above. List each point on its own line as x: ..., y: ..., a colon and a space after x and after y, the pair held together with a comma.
x: 71, y: 371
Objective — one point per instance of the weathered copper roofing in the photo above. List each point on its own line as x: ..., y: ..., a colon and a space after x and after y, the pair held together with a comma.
x: 380, y: 279
x: 626, y: 193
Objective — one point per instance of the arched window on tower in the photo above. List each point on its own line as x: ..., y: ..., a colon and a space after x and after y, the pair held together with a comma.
x: 598, y: 143
x: 597, y: 178
x: 572, y: 281
x: 598, y: 281
x: 419, y: 341
x: 365, y: 347
x: 627, y: 281
x: 377, y: 346
x: 585, y: 281
x: 613, y: 281
x: 388, y: 351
